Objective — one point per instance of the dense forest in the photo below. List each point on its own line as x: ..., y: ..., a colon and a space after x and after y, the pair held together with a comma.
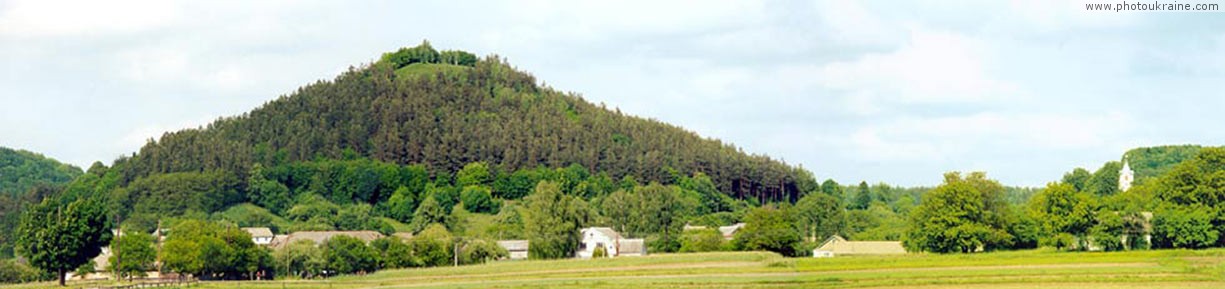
x: 22, y: 170
x: 422, y: 110
x: 1152, y: 162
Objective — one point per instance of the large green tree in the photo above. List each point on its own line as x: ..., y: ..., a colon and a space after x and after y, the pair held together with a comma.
x: 961, y: 215
x: 863, y: 197
x: 210, y: 250
x: 132, y: 254
x: 346, y: 254
x: 1105, y: 181
x: 770, y: 228
x: 60, y: 235
x: 552, y: 221
x: 1078, y: 178
x: 1063, y: 211
x: 819, y: 216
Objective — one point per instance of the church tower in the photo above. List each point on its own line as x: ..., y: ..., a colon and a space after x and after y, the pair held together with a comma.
x: 1126, y: 176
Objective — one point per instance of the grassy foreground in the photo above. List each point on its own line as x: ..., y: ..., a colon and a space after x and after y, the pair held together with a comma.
x: 1023, y: 269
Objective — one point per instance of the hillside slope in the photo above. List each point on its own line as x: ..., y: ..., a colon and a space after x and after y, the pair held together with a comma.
x: 22, y: 170
x: 1151, y: 162
x: 26, y: 177
x: 446, y: 115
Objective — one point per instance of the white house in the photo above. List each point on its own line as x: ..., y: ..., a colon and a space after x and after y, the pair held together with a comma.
x: 516, y: 248
x: 612, y: 242
x: 260, y: 235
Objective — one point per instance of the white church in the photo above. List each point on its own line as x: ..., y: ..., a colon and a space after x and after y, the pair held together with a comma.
x: 1126, y: 176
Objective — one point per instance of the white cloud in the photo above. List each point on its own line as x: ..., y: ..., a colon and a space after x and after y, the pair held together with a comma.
x: 849, y: 23
x: 933, y: 67
x: 42, y: 18
x: 950, y: 137
x: 137, y: 137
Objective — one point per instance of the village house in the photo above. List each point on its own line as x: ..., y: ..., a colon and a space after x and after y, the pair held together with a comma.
x: 319, y: 237
x: 613, y: 244
x: 516, y: 248
x: 837, y: 246
x: 260, y: 235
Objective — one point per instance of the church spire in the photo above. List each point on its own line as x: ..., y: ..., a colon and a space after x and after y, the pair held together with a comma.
x: 1126, y: 176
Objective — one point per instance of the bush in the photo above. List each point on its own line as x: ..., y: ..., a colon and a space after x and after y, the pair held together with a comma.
x: 701, y: 240
x: 432, y: 247
x: 1185, y: 227
x: 423, y: 53
x: 12, y: 271
x: 599, y: 252
x: 393, y: 252
x: 300, y: 258
x: 481, y: 251
x: 477, y: 199
x: 771, y: 229
x: 457, y: 57
x: 345, y: 255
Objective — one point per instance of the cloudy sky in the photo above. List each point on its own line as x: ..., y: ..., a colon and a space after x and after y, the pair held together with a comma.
x: 879, y: 91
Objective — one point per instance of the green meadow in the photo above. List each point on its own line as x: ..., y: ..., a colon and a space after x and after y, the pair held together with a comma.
x: 1017, y: 269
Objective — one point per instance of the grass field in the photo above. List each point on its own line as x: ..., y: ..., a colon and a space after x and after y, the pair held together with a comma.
x: 1024, y: 269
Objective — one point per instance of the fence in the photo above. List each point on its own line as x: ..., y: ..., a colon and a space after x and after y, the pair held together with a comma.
x: 155, y: 283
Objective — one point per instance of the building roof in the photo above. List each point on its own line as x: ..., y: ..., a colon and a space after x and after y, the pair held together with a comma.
x: 631, y: 246
x: 728, y: 231
x: 840, y: 246
x: 690, y: 227
x: 514, y: 245
x: 322, y: 236
x: 259, y: 232
x: 606, y: 231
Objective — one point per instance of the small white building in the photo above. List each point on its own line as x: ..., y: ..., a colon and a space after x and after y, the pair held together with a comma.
x: 516, y: 248
x: 612, y: 242
x: 260, y: 235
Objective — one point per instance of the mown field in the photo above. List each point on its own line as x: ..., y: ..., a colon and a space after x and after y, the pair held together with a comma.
x: 1024, y: 269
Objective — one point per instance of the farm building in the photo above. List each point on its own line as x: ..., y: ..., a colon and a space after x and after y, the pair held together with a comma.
x: 260, y: 235
x: 837, y: 246
x: 517, y: 248
x: 322, y: 236
x: 614, y: 245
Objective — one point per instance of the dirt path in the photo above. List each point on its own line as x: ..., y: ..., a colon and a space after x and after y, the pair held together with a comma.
x: 998, y: 267
x: 703, y: 265
x: 477, y: 281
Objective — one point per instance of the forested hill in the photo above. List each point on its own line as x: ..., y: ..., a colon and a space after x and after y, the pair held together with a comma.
x: 443, y: 110
x: 1151, y: 162
x: 22, y: 170
x: 26, y: 177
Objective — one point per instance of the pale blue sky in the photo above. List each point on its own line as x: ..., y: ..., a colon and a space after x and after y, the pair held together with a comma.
x: 878, y: 91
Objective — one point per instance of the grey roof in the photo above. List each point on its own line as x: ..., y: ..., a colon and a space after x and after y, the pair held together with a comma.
x: 259, y: 232
x: 631, y: 246
x: 322, y: 236
x: 607, y: 232
x: 514, y: 245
